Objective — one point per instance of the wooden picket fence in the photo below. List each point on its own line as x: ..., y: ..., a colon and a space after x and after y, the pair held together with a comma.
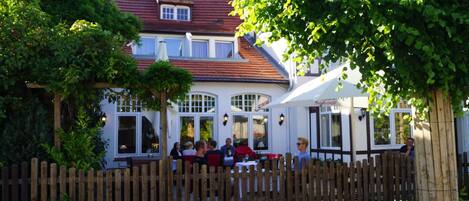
x: 463, y: 171
x: 386, y: 177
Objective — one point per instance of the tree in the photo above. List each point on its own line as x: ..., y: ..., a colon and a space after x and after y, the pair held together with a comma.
x: 405, y: 50
x: 159, y: 83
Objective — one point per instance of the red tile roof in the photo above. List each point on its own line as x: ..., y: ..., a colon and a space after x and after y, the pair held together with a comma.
x: 208, y: 17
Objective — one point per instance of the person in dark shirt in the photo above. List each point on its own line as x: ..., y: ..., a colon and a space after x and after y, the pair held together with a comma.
x: 214, y: 156
x: 201, y: 149
x: 408, y: 148
x: 176, y: 152
x: 228, y: 149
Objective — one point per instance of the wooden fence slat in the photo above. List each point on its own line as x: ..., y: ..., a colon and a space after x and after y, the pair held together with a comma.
x: 135, y: 183
x: 169, y: 178
x: 43, y: 181
x: 127, y: 180
x: 317, y: 181
x: 266, y: 181
x: 282, y: 179
x: 221, y: 183
x: 53, y: 182
x: 144, y: 182
x: 296, y: 179
x: 90, y: 181
x: 14, y: 183
x: 34, y: 178
x: 195, y: 181
x: 366, y: 178
x: 179, y: 180
x: 346, y: 184
x: 274, y: 168
x: 331, y: 181
x: 339, y: 181
x: 397, y: 164
x: 117, y: 185
x: 228, y: 185
x: 251, y: 183
x: 352, y: 172
x: 204, y: 183
x: 212, y: 184
x: 24, y: 181
x: 289, y: 173
x: 5, y: 178
x: 187, y: 181
x: 81, y: 186
x: 109, y: 185
x: 379, y: 178
x: 304, y: 178
x: 244, y: 183
x: 72, y: 184
x: 372, y: 179
x: 100, y: 185
x: 62, y: 182
x: 153, y: 180
x: 311, y: 180
x: 236, y: 190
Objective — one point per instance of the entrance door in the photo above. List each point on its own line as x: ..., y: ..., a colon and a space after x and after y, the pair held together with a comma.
x: 196, y: 127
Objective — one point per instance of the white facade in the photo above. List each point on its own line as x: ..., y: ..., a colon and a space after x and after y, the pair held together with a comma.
x: 462, y: 131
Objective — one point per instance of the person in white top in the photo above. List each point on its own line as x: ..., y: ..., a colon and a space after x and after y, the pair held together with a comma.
x: 189, y: 149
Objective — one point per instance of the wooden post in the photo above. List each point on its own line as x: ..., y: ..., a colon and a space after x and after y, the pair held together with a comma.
x: 57, y: 126
x: 435, y: 158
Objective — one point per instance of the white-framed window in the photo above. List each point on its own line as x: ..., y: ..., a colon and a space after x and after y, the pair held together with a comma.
x: 146, y: 47
x: 196, y: 114
x: 174, y: 47
x: 171, y: 12
x: 251, y: 121
x: 224, y: 49
x: 200, y: 48
x: 330, y: 127
x: 393, y: 130
x: 135, y: 128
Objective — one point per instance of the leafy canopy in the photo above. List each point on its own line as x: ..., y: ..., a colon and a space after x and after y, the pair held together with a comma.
x: 404, y: 49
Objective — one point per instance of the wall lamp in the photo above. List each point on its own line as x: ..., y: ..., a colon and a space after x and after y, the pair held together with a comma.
x: 225, y: 119
x: 362, y: 114
x: 281, y: 119
x: 103, y: 118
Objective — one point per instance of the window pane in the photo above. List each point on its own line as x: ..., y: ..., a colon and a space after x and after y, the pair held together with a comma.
x: 224, y: 49
x: 402, y: 126
x: 206, y: 128
x: 324, y: 129
x: 209, y: 103
x: 261, y: 102
x: 200, y: 49
x: 237, y: 103
x: 382, y: 133
x: 174, y: 47
x: 336, y: 129
x: 146, y: 47
x: 187, y: 129
x: 260, y: 132
x: 240, y: 129
x: 184, y: 105
x: 168, y: 13
x: 183, y: 14
x: 126, y: 134
x: 150, y: 140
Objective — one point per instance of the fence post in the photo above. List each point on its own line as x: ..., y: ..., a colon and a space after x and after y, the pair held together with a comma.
x: 53, y: 182
x: 5, y: 184
x: 135, y: 183
x: 127, y: 179
x: 24, y: 181
x: 90, y: 184
x: 34, y: 175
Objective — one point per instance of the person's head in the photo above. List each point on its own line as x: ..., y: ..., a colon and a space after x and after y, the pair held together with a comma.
x: 176, y: 146
x: 201, y: 147
x: 243, y: 142
x: 302, y: 144
x: 212, y: 145
x: 228, y: 141
x: 188, y: 145
x: 410, y: 142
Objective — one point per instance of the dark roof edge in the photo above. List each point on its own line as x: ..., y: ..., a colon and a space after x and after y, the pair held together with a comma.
x: 245, y: 80
x: 269, y: 57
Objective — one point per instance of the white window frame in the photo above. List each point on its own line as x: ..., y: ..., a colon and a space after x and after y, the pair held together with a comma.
x: 197, y: 116
x: 392, y: 129
x: 175, y: 8
x: 208, y: 47
x: 138, y: 138
x: 333, y: 110
x: 180, y: 38
x: 226, y: 41
x: 250, y: 115
x: 135, y: 46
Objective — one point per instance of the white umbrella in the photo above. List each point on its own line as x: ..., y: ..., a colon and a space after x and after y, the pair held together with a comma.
x: 322, y: 88
x: 162, y: 52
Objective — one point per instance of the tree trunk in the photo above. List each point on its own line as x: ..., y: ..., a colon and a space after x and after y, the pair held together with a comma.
x: 164, y: 125
x: 57, y: 118
x: 435, y: 150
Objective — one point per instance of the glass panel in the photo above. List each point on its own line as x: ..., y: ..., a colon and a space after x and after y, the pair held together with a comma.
x: 240, y: 129
x: 224, y: 49
x: 261, y: 102
x: 183, y: 14
x: 150, y: 139
x: 260, y: 132
x: 249, y: 102
x: 336, y: 129
x: 209, y: 103
x: 184, y: 105
x: 237, y: 103
x: 324, y: 129
x: 402, y: 127
x: 168, y: 13
x: 200, y: 49
x: 382, y: 133
x: 174, y: 47
x: 206, y: 128
x: 196, y: 103
x: 146, y: 47
x: 126, y: 134
x: 187, y: 129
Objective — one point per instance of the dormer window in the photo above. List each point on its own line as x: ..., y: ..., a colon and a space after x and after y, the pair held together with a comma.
x: 171, y: 12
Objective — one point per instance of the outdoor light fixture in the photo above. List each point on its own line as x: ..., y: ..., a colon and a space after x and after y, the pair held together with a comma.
x: 225, y: 119
x: 281, y: 119
x: 363, y: 114
x: 103, y: 118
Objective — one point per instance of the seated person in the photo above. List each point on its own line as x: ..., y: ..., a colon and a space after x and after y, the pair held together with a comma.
x: 201, y: 149
x: 243, y: 150
x: 214, y: 156
x: 188, y: 151
x: 408, y: 148
x: 176, y: 151
x: 228, y: 149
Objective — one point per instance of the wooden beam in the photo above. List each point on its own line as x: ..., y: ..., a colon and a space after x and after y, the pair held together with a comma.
x: 57, y: 122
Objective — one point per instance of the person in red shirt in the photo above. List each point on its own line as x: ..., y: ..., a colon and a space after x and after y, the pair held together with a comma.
x: 243, y: 150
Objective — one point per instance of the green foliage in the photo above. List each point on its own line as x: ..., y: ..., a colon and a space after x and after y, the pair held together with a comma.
x: 78, y: 146
x: 404, y: 49
x: 162, y: 77
x: 463, y: 194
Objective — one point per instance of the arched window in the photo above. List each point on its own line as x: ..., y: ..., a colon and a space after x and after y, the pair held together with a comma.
x: 251, y: 120
x: 197, y: 114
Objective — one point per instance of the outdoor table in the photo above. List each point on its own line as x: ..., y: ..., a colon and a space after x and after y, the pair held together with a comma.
x: 246, y: 164
x: 228, y: 161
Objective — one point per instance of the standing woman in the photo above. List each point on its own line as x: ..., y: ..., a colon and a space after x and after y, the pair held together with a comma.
x: 176, y: 151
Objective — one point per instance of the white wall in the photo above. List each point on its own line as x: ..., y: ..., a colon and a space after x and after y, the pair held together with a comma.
x: 223, y: 92
x: 462, y: 129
